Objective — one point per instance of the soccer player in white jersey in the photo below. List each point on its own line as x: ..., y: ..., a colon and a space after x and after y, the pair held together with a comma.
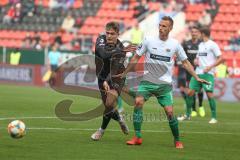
x: 159, y: 61
x: 208, y: 57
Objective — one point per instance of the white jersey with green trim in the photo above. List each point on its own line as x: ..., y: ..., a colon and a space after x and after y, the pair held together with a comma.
x: 159, y: 58
x: 207, y: 55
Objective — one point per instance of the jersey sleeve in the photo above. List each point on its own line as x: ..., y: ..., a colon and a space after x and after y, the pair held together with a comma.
x: 216, y: 50
x: 181, y: 55
x: 142, y: 48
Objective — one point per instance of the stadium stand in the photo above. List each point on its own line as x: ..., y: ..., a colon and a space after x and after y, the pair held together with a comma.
x: 226, y: 26
x: 46, y: 18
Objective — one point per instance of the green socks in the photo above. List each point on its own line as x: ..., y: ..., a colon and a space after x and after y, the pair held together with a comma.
x: 137, y: 121
x: 190, y: 101
x: 184, y: 95
x: 200, y: 98
x: 173, y: 123
x: 212, y: 104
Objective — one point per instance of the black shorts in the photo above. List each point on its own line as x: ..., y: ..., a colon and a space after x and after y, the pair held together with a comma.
x: 181, y: 79
x: 188, y: 77
x: 53, y: 67
x: 181, y: 82
x: 116, y: 84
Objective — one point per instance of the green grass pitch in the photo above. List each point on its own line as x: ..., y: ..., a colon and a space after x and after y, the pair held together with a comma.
x: 50, y: 138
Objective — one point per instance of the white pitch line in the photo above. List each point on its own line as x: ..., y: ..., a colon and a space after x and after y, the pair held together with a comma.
x: 115, y: 130
x: 11, y: 118
x: 147, y: 131
x: 149, y: 121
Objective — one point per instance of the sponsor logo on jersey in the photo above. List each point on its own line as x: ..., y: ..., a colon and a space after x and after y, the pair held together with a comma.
x: 192, y: 51
x: 101, y: 42
x: 161, y: 58
x: 168, y: 50
x: 202, y: 54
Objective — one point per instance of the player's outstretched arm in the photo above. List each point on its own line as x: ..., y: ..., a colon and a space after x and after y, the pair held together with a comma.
x: 130, y: 66
x: 218, y: 61
x: 187, y: 65
x: 130, y: 48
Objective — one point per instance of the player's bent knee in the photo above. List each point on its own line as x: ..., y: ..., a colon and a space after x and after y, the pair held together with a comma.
x: 111, y: 98
x: 190, y: 92
x: 169, y: 112
x: 170, y: 115
x: 139, y: 101
x: 210, y: 95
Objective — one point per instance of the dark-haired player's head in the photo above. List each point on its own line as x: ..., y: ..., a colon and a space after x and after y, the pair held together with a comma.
x: 112, y: 32
x: 165, y: 26
x: 205, y: 32
x: 195, y: 33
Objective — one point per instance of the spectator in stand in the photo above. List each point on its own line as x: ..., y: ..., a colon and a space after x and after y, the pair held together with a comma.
x: 53, y: 4
x: 7, y: 19
x: 214, y: 6
x: 36, y: 44
x: 58, y: 38
x: 68, y: 23
x: 14, y: 1
x: 205, y: 19
x: 167, y: 9
x: 234, y: 43
x: 124, y: 5
x: 39, y: 45
x: 37, y: 37
x: 70, y: 3
x: 18, y: 13
x: 141, y: 7
x: 28, y: 7
x: 76, y: 45
x: 196, y: 1
x: 27, y: 41
x: 136, y: 34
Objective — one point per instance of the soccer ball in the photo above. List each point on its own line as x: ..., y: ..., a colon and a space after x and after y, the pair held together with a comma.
x: 16, y: 129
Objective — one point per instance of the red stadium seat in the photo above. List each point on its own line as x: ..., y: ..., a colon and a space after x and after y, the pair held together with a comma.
x: 67, y: 37
x: 46, y: 3
x: 77, y: 4
x: 219, y: 18
x: 225, y: 1
x: 3, y: 2
x: 195, y: 8
x: 216, y: 26
x: 154, y: 6
x: 45, y: 36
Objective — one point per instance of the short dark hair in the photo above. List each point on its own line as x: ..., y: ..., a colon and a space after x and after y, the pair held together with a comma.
x: 168, y: 18
x: 205, y: 30
x: 195, y: 27
x: 112, y: 25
